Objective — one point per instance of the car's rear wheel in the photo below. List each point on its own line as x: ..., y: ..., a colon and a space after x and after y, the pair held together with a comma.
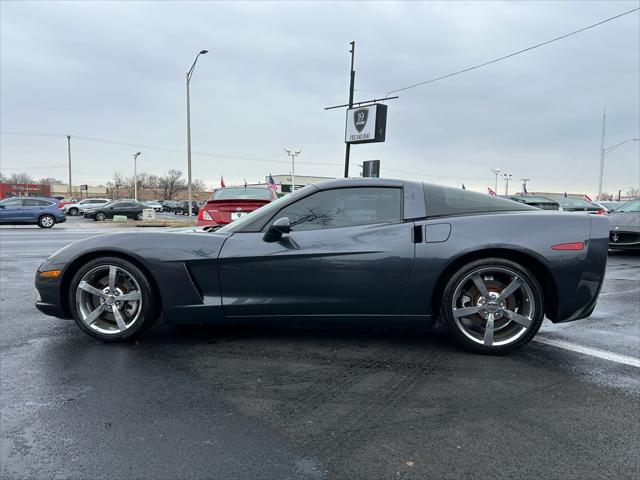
x: 112, y: 300
x: 493, y: 306
x: 73, y: 211
x: 46, y: 221
x: 139, y: 216
x: 100, y: 217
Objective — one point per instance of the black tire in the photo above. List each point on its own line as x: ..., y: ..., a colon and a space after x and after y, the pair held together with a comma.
x: 531, y: 300
x: 100, y: 217
x: 139, y: 216
x: 73, y: 211
x: 149, y: 312
x: 46, y: 221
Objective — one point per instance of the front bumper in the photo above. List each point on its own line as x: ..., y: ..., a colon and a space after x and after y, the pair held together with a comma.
x: 49, y: 299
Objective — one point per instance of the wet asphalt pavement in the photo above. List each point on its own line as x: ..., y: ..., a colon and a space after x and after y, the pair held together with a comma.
x: 279, y: 403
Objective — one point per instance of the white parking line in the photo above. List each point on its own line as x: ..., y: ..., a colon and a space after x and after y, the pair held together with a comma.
x: 618, y: 293
x: 594, y: 352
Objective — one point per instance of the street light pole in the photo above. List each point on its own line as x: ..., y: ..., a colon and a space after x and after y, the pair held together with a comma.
x: 188, y: 80
x: 506, y: 176
x: 496, y: 171
x: 604, y: 120
x: 603, y: 151
x: 293, y: 154
x: 135, y: 175
x: 69, y: 155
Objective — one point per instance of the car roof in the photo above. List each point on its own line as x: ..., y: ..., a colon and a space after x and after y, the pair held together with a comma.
x: 358, y: 182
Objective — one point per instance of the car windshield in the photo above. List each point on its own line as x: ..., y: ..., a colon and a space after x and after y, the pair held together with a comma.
x: 268, y: 209
x: 632, y: 206
x: 242, y: 194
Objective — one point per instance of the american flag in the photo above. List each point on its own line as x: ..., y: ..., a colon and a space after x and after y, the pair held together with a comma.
x: 272, y: 183
x: 587, y: 198
x: 221, y: 181
x: 491, y: 192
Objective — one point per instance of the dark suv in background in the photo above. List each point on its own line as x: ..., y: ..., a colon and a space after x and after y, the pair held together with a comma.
x: 182, y: 208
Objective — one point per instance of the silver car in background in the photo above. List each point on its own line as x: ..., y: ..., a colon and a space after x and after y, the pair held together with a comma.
x: 77, y: 208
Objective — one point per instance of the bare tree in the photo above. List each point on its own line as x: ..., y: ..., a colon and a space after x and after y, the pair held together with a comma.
x: 198, y: 185
x: 170, y: 184
x: 49, y: 181
x: 20, y: 178
x: 3, y: 178
x: 633, y: 192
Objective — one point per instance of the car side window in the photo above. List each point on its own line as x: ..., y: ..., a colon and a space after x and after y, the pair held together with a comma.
x: 13, y: 203
x: 344, y: 207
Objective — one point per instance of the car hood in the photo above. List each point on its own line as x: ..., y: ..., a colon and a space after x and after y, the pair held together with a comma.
x: 625, y: 221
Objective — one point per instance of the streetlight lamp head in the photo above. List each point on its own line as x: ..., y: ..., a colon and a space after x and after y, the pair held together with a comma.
x: 202, y: 52
x: 288, y: 151
x: 297, y: 152
x: 136, y: 154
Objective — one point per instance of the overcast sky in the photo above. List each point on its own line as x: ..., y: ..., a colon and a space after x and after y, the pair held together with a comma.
x: 115, y: 71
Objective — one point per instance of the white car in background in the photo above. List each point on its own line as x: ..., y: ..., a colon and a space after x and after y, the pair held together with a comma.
x: 76, y: 208
x: 157, y: 206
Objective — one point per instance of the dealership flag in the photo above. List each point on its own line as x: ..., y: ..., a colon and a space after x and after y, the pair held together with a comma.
x: 463, y: 187
x: 491, y: 192
x: 272, y: 183
x: 587, y: 197
x: 221, y: 181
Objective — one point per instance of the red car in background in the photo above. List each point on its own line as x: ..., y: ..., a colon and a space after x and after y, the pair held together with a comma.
x: 227, y: 204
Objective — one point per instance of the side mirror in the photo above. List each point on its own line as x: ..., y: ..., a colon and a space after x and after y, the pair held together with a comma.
x: 277, y: 229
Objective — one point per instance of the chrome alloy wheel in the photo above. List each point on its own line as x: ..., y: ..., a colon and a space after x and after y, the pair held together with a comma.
x: 109, y: 299
x: 493, y: 306
x: 47, y: 221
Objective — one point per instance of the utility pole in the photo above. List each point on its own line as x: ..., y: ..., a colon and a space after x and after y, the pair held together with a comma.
x: 351, y: 87
x: 293, y: 154
x: 604, y: 120
x: 69, y: 155
x: 506, y: 176
x: 496, y: 172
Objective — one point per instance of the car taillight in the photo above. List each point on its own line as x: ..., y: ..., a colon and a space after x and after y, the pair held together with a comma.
x: 568, y: 246
x: 601, y: 212
x: 206, y: 216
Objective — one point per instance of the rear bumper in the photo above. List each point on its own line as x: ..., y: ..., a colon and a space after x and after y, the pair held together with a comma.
x: 581, y: 301
x: 209, y: 223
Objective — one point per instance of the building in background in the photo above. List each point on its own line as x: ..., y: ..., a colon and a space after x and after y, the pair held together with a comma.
x: 79, y: 191
x: 8, y: 190
x: 284, y: 181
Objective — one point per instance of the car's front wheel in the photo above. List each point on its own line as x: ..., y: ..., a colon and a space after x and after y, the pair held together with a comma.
x: 46, y: 221
x: 139, y: 216
x: 111, y: 299
x: 73, y: 211
x: 100, y: 217
x: 493, y: 305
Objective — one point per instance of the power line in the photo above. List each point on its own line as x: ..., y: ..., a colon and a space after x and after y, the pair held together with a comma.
x: 164, y: 149
x: 442, y: 77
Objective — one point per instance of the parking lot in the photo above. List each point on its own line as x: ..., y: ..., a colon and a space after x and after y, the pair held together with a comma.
x: 314, y: 403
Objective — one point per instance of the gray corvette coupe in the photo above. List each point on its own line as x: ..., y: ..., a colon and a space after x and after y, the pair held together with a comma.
x: 391, y: 251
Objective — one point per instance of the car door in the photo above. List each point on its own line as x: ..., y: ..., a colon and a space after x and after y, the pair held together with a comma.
x: 32, y: 208
x: 11, y: 211
x: 348, y: 253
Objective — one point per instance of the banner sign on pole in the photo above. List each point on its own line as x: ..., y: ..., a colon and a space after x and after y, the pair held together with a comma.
x: 366, y: 124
